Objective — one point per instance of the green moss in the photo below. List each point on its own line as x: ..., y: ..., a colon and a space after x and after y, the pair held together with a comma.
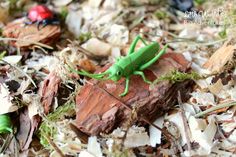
x: 176, y: 76
x: 48, y: 127
x: 84, y: 37
x: 13, y: 7
x: 199, y: 2
x: 223, y: 33
x: 64, y: 12
x: 160, y: 14
x: 2, y: 55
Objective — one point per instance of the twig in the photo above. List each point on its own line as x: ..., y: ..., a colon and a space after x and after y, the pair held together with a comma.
x: 222, y: 134
x: 186, y: 127
x: 189, y: 40
x: 82, y: 50
x: 132, y: 117
x: 82, y: 136
x: 215, y: 108
x: 54, y: 146
x: 33, y: 42
x: 32, y: 81
x: 39, y: 47
x: 6, y: 143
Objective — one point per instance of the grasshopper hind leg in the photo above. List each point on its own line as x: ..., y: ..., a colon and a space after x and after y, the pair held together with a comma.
x: 134, y: 43
x: 143, y: 76
x: 146, y: 65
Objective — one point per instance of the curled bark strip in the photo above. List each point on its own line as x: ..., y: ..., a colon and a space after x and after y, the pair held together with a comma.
x: 49, y: 91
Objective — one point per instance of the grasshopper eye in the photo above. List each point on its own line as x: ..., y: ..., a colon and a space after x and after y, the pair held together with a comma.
x: 118, y: 73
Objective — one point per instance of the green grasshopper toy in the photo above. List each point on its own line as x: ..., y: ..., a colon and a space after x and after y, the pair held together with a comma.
x: 132, y: 64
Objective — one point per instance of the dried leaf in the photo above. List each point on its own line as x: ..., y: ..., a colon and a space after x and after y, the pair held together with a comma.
x: 26, y: 130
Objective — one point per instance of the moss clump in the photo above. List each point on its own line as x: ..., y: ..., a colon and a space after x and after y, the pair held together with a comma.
x: 199, y: 2
x: 223, y: 33
x: 177, y: 76
x: 48, y: 127
x: 84, y: 37
x: 2, y: 55
x: 160, y: 14
x: 64, y: 12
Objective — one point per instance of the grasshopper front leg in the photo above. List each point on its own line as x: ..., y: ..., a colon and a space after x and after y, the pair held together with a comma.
x: 126, y: 86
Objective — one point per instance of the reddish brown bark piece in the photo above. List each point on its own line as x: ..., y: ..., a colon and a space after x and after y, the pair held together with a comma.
x: 98, y: 111
x: 28, y: 34
x: 49, y: 91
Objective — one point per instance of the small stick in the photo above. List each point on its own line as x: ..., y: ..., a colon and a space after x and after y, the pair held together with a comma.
x: 185, y: 121
x: 200, y: 114
x: 189, y: 40
x: 17, y: 68
x: 82, y: 136
x: 133, y: 116
x: 54, y: 146
x: 33, y: 42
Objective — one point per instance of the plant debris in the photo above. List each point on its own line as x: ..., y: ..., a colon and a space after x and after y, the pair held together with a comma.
x: 47, y: 109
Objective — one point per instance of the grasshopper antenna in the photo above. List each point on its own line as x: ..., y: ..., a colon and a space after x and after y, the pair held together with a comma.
x: 85, y: 73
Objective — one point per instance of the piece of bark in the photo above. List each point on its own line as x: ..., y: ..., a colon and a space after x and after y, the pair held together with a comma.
x: 49, y: 91
x: 98, y: 111
x: 27, y: 35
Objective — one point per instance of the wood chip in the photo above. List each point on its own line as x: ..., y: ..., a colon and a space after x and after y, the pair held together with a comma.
x: 220, y: 58
x: 27, y: 35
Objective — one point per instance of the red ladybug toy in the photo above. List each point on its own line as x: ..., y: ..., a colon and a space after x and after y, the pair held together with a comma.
x: 40, y: 14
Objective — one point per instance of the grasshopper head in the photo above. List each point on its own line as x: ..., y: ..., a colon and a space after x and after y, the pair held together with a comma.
x: 115, y: 73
